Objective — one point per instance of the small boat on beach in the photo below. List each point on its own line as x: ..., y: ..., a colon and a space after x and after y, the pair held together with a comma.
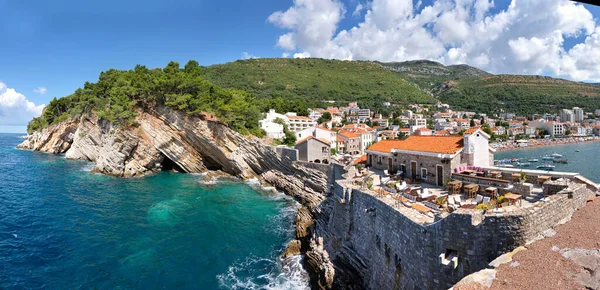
x: 533, y: 160
x: 547, y: 167
x: 563, y: 161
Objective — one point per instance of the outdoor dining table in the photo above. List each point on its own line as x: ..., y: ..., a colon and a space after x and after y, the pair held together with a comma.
x: 491, y: 192
x: 542, y: 179
x: 515, y: 177
x: 496, y: 174
x: 471, y: 190
x: 513, y: 198
x: 454, y: 186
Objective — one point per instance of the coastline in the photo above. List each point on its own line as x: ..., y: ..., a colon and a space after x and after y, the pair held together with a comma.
x: 511, y: 146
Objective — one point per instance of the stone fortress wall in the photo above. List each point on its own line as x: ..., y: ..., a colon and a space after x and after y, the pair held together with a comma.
x: 391, y: 251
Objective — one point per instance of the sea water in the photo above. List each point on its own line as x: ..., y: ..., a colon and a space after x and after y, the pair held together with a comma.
x: 585, y: 162
x: 63, y: 227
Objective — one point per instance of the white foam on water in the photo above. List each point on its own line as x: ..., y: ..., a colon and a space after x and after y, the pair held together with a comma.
x: 286, y: 274
x: 88, y: 167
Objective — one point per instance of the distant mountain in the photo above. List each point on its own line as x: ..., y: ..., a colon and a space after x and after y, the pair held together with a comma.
x: 469, y: 88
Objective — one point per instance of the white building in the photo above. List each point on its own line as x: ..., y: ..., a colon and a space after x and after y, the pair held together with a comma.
x: 597, y: 112
x: 299, y: 123
x: 463, y: 124
x: 273, y: 130
x: 567, y: 115
x: 364, y: 114
x: 578, y: 112
x: 382, y: 122
x: 418, y: 122
x: 315, y: 114
x: 551, y: 127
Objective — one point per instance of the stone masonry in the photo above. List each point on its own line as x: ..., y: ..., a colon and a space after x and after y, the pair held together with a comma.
x: 391, y: 251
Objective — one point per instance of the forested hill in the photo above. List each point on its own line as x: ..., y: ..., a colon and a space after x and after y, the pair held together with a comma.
x: 314, y: 80
x: 469, y: 88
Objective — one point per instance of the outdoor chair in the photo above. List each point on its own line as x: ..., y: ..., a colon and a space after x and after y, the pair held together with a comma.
x: 486, y: 200
x: 478, y: 199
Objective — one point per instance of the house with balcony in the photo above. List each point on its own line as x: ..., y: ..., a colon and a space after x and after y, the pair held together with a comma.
x: 432, y: 159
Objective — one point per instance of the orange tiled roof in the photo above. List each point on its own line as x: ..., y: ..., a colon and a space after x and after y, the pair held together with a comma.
x: 471, y: 131
x: 347, y: 134
x: 424, y: 129
x: 431, y: 144
x: 462, y: 120
x: 359, y: 160
x: 442, y: 133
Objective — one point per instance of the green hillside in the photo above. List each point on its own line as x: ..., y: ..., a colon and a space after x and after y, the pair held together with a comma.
x: 469, y: 88
x: 314, y: 80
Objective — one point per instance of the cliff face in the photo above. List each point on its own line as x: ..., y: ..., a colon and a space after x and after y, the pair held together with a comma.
x: 168, y: 139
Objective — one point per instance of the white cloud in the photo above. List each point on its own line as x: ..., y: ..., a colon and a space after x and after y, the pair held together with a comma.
x: 302, y: 55
x: 525, y: 37
x: 41, y: 90
x: 285, y: 55
x: 359, y: 8
x: 15, y: 109
x: 246, y: 55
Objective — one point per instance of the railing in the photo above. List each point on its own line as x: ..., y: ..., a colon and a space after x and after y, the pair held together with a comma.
x: 481, y: 180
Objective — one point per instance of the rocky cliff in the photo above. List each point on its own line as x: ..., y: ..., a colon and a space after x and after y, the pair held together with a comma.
x: 166, y: 139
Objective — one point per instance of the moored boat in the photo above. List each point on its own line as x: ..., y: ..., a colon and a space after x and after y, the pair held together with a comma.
x: 534, y: 160
x: 547, y: 167
x: 523, y: 164
x: 556, y: 155
x: 563, y: 161
x: 548, y: 158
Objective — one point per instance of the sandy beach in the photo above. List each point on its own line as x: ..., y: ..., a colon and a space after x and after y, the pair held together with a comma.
x: 505, y: 146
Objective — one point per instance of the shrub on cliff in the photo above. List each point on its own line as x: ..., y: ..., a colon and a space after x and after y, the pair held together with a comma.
x: 118, y: 93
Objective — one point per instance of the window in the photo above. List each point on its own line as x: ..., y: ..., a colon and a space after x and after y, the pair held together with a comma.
x: 423, y: 173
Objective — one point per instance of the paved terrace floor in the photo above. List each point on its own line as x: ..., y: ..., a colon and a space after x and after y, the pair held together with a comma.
x: 416, y: 211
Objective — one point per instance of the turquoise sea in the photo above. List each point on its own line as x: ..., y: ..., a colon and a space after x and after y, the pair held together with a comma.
x: 62, y: 227
x: 584, y: 162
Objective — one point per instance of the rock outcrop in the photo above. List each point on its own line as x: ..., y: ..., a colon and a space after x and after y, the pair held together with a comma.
x: 167, y: 139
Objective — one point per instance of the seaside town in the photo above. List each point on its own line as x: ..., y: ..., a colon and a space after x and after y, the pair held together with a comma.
x: 429, y: 168
x: 341, y: 132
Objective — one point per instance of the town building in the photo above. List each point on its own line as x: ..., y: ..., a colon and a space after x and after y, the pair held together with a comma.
x: 299, y: 123
x: 567, y: 115
x: 431, y: 159
x: 551, y: 128
x: 382, y: 122
x: 273, y: 129
x: 424, y: 132
x: 313, y: 149
x: 364, y: 114
x: 348, y: 143
x: 578, y: 114
x: 419, y: 123
x: 319, y: 133
x: 463, y: 124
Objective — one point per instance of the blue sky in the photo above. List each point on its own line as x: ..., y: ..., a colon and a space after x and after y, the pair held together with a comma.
x: 61, y: 44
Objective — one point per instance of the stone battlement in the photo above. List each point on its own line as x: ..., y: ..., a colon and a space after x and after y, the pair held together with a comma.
x: 391, y: 249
